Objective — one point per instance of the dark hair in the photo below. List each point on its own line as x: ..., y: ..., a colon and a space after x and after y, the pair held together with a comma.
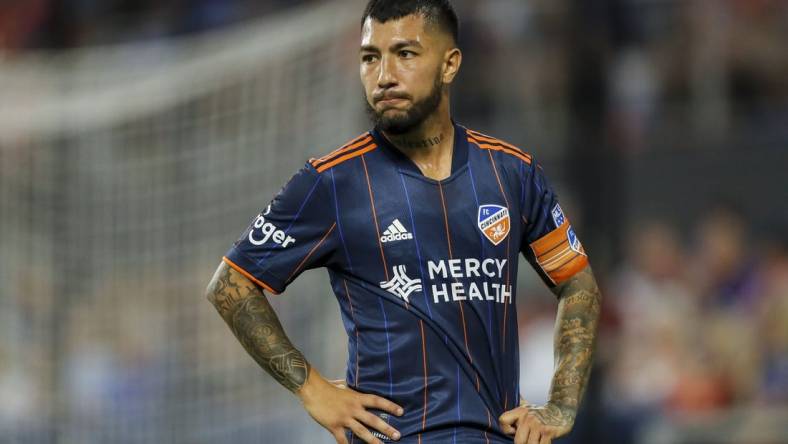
x: 436, y: 12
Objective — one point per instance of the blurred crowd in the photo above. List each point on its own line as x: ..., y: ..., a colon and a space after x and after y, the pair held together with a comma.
x: 694, y: 325
x: 59, y: 24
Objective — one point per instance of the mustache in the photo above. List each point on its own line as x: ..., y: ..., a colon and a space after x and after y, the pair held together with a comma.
x: 387, y: 95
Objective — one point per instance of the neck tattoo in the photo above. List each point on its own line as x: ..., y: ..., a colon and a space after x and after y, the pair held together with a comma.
x: 425, y: 143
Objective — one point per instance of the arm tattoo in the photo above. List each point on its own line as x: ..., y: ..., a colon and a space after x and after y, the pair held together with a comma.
x: 253, y: 321
x: 575, y: 335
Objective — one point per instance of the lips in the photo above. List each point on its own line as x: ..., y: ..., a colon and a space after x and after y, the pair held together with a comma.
x: 390, y: 97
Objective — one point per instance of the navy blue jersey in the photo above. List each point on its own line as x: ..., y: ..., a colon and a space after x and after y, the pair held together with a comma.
x: 423, y: 270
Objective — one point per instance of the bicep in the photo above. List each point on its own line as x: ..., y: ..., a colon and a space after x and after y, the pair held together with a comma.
x: 228, y: 287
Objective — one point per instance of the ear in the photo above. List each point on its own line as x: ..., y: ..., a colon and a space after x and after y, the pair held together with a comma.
x: 451, y: 64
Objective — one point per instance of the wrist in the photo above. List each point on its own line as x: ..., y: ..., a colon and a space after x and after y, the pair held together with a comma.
x: 568, y: 412
x: 314, y: 381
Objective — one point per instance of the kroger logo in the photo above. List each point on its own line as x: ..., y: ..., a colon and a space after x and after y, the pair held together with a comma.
x: 263, y: 231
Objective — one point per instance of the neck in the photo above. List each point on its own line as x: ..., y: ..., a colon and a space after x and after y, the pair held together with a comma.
x: 435, y: 134
x: 431, y: 145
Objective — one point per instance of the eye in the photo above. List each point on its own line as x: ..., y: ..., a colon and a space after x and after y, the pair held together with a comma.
x: 368, y: 58
x: 405, y: 54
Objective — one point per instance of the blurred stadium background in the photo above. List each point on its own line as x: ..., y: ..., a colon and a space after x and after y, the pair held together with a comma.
x: 138, y: 138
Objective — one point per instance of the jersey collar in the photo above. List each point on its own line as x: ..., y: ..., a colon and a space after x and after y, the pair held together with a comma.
x: 459, y: 156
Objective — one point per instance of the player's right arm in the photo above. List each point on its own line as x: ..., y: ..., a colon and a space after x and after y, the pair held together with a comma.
x: 245, y: 308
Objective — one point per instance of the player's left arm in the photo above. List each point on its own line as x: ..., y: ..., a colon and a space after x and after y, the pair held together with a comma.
x: 575, y: 336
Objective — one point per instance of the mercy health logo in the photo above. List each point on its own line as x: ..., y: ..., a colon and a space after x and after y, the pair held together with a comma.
x: 401, y: 285
x: 455, y: 280
x: 494, y: 222
x: 263, y: 231
x: 469, y: 279
x: 395, y: 232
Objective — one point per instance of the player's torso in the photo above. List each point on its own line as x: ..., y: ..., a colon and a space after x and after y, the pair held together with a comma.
x: 431, y: 244
x: 427, y: 276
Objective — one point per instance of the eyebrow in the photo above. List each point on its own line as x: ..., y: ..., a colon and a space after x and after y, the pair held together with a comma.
x: 395, y: 47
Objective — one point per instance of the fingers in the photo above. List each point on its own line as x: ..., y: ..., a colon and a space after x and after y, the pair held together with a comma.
x: 508, y: 429
x: 380, y: 425
x: 382, y: 404
x: 511, y: 416
x: 534, y: 437
x: 509, y: 419
x: 340, y: 437
x: 523, y: 432
x: 362, y: 432
x: 531, y: 431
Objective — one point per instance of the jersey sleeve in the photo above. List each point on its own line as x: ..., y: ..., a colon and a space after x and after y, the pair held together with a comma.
x: 293, y: 234
x: 549, y: 242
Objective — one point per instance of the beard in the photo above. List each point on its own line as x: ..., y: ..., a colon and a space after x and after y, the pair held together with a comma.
x: 402, y: 122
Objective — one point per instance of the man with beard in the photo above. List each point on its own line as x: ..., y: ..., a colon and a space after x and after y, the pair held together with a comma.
x: 420, y: 223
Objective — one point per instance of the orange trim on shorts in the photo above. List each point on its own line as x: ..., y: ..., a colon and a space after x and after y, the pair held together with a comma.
x: 248, y: 275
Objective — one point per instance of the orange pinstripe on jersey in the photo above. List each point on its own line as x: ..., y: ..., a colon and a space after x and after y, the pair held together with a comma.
x: 353, y: 316
x: 424, y: 360
x: 451, y: 256
x: 508, y: 241
x: 311, y: 252
x: 375, y: 218
x: 555, y: 256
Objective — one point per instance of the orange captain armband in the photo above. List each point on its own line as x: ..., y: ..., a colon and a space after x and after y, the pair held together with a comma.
x: 560, y: 254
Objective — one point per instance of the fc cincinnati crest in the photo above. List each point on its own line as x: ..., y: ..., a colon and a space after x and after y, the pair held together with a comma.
x: 494, y: 222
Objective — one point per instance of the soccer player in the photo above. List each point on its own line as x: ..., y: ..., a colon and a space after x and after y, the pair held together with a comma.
x: 420, y: 223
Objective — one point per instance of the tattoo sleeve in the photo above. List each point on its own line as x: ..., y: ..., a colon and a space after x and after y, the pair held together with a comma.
x: 575, y: 336
x: 253, y: 321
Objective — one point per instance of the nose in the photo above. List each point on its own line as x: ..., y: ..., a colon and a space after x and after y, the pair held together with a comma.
x: 387, y: 75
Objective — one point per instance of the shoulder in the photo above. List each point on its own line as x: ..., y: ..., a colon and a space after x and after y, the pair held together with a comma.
x: 489, y: 143
x: 355, y: 147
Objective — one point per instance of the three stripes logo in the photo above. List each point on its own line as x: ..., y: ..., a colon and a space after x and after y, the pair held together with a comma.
x: 401, y: 285
x: 395, y: 232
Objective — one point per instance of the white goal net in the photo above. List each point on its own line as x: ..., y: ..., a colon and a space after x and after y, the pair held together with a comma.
x: 125, y: 174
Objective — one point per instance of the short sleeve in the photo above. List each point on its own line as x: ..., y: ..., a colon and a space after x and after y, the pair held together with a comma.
x: 293, y: 234
x: 549, y: 242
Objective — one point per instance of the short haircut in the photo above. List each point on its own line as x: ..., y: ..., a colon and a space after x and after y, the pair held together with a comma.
x: 439, y: 13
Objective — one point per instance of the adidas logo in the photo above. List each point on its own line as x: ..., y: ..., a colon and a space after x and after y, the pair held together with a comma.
x: 395, y: 232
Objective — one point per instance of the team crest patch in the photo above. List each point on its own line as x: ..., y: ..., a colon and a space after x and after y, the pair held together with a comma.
x: 558, y: 215
x: 574, y: 241
x: 494, y: 222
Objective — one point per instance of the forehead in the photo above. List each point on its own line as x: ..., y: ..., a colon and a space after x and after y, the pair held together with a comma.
x: 411, y: 27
